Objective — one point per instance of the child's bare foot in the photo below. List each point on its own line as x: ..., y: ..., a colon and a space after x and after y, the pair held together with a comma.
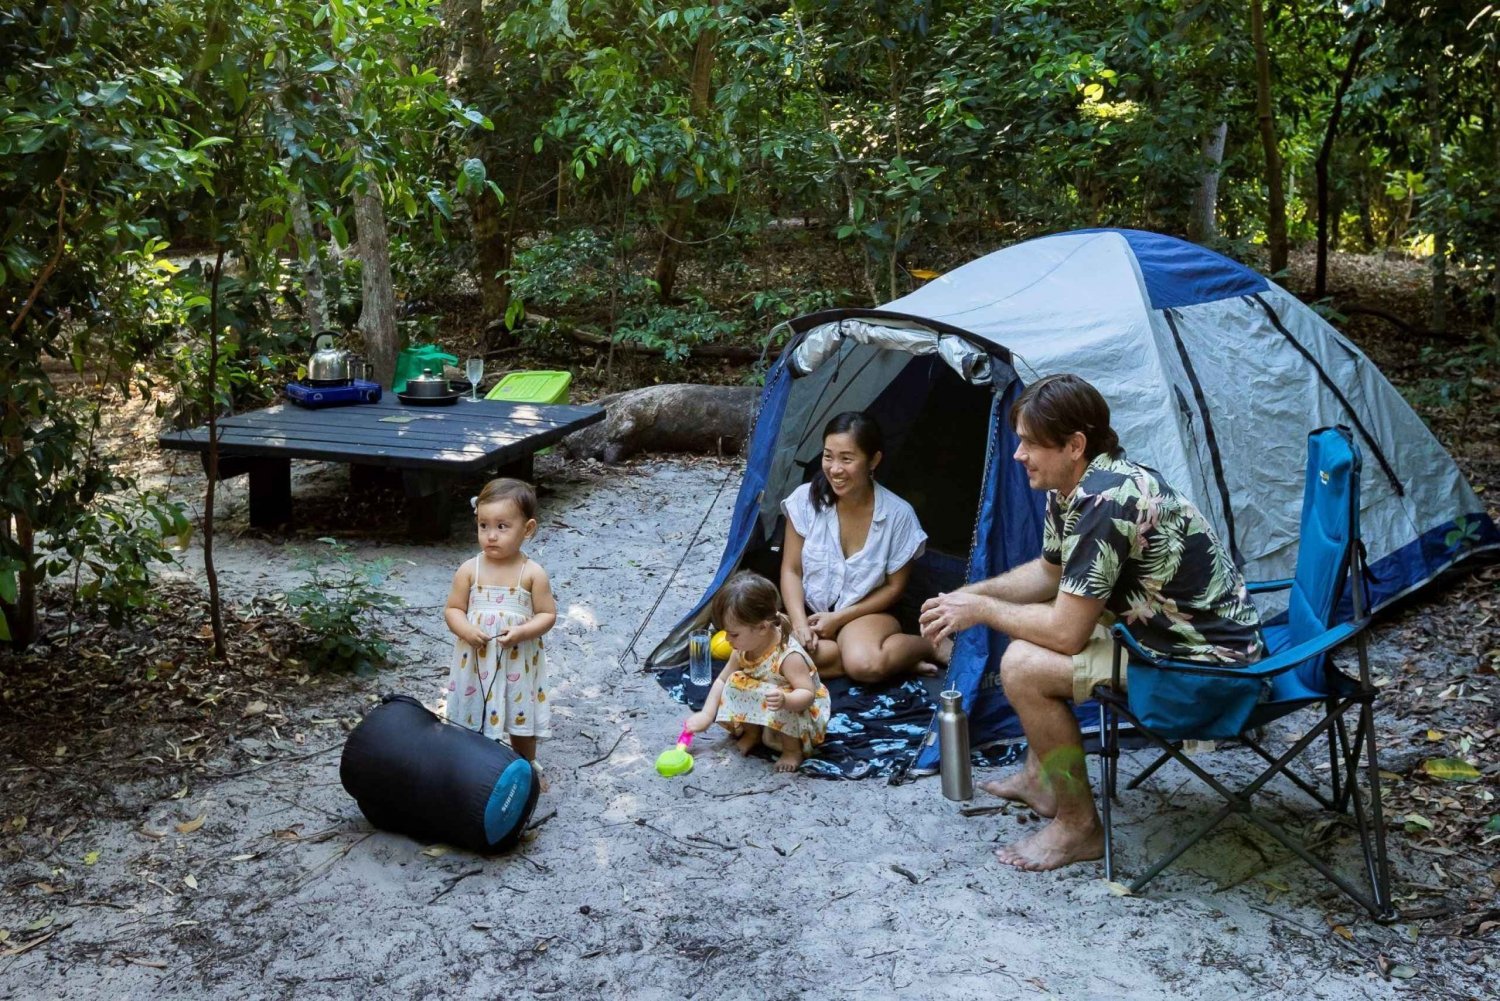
x: 791, y: 757
x: 541, y: 776
x: 747, y: 740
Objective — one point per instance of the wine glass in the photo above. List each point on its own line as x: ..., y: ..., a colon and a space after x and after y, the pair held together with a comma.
x: 474, y: 369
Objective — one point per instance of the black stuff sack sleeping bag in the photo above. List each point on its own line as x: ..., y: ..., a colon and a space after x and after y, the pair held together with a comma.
x: 417, y: 775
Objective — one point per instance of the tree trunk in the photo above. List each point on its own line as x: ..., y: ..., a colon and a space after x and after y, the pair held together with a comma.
x: 377, y: 318
x: 315, y: 300
x: 1493, y: 128
x: 493, y: 252
x: 680, y: 210
x: 20, y: 616
x: 215, y: 612
x: 1436, y: 184
x: 1320, y: 279
x: 468, y: 17
x: 1203, y: 224
x: 1276, y: 202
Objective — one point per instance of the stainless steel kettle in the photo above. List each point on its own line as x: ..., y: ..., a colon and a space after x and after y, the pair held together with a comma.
x: 328, y: 365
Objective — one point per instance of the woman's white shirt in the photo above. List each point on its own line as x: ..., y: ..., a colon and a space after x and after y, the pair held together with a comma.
x: 829, y: 581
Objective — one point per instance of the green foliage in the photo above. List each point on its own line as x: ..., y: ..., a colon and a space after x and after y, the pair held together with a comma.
x: 569, y: 268
x: 1458, y: 376
x: 117, y: 541
x: 342, y: 603
x: 676, y: 330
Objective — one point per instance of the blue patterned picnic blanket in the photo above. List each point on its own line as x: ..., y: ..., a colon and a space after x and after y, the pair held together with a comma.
x: 873, y: 732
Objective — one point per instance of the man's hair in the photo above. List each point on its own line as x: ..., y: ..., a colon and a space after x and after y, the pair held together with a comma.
x: 505, y: 489
x: 1058, y: 405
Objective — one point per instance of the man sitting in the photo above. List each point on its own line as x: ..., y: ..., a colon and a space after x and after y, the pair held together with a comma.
x: 1117, y: 543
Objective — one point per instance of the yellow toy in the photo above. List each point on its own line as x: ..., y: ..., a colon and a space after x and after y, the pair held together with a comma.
x: 719, y: 646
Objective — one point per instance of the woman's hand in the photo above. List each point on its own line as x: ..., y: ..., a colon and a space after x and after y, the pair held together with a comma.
x: 804, y: 635
x: 824, y: 625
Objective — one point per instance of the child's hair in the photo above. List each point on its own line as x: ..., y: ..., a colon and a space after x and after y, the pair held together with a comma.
x: 749, y: 598
x: 505, y: 489
x: 866, y: 434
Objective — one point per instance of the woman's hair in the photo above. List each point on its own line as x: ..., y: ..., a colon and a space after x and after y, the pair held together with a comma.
x: 747, y: 597
x: 866, y: 434
x: 505, y: 489
x: 1058, y: 405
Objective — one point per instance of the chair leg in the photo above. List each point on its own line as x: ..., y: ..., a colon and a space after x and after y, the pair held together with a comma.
x: 1151, y: 769
x: 1380, y: 871
x: 1182, y: 846
x: 1106, y: 787
x: 1291, y: 776
x: 1336, y: 742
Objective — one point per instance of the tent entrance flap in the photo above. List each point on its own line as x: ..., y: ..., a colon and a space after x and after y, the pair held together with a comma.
x: 823, y: 342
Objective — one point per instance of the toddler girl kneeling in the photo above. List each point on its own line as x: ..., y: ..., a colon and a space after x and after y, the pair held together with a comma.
x: 769, y: 691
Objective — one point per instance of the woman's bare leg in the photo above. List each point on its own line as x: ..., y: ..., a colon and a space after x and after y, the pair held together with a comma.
x: 827, y: 659
x: 874, y: 649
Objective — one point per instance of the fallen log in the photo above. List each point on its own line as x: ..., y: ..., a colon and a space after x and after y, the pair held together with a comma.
x: 675, y: 417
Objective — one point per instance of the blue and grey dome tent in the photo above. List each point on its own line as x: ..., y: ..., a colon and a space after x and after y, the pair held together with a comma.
x: 1214, y: 375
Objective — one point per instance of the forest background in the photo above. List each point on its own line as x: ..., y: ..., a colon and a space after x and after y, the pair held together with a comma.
x: 189, y: 190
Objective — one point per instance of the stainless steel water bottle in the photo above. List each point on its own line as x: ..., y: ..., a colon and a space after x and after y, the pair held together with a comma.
x: 953, y: 746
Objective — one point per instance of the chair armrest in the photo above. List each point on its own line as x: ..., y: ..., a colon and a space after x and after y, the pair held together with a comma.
x: 1262, y: 586
x: 1283, y: 661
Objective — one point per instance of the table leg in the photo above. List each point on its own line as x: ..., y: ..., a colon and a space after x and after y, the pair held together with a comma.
x: 429, y: 508
x: 366, y: 479
x: 520, y: 469
x: 270, y: 491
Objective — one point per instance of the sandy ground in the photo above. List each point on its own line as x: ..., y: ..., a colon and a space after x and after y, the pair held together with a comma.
x: 730, y: 883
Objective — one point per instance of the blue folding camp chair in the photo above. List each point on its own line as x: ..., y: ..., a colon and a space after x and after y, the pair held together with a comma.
x: 1169, y: 701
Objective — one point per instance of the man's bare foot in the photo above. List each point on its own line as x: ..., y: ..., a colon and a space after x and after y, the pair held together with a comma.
x: 834, y: 670
x: 1055, y: 846
x: 942, y: 650
x: 791, y: 758
x: 1021, y: 787
x: 746, y: 741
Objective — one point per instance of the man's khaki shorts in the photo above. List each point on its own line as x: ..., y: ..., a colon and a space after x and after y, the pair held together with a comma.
x: 1094, y: 665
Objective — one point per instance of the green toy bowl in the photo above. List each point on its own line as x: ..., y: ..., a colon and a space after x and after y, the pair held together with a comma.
x: 673, y: 761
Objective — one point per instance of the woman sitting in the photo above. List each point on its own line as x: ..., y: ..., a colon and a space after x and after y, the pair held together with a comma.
x: 849, y: 547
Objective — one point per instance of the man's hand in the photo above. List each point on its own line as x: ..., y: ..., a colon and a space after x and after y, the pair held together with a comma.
x: 949, y: 614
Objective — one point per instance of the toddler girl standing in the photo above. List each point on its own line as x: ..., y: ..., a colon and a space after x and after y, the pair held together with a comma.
x: 769, y: 691
x: 500, y: 605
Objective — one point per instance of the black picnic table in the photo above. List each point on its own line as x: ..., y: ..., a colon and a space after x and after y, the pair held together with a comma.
x: 430, y: 446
